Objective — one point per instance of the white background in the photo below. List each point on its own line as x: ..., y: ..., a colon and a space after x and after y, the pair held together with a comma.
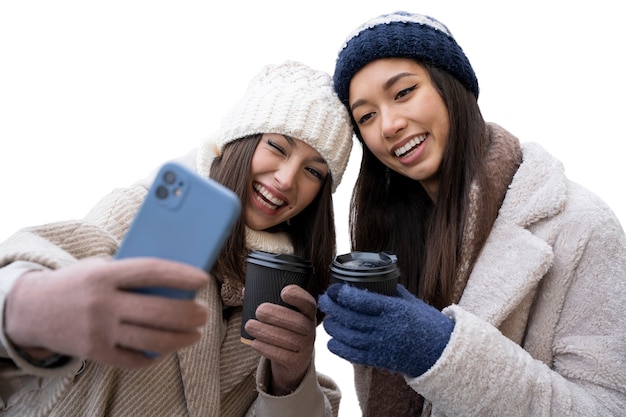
x: 94, y: 95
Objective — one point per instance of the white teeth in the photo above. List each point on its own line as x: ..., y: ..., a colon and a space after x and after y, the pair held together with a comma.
x: 265, y: 193
x: 412, y: 143
x: 265, y: 203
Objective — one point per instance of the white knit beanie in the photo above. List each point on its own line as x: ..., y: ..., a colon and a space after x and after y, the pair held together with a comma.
x: 294, y: 100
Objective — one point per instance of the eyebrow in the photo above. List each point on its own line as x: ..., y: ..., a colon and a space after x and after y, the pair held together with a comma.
x: 386, y: 86
x: 294, y: 144
x: 290, y: 140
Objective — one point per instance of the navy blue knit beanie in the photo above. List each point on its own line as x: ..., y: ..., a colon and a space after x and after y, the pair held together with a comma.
x: 402, y: 35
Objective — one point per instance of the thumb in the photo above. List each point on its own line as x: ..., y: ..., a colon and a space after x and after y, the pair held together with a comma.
x: 404, y: 293
x: 300, y: 298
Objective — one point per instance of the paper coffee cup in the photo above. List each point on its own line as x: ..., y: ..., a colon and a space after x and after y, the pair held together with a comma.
x: 266, y: 275
x: 375, y: 271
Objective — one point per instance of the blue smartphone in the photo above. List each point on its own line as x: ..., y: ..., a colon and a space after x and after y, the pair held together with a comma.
x: 186, y: 218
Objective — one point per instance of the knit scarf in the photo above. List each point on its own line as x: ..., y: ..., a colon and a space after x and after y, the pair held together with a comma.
x: 387, y: 393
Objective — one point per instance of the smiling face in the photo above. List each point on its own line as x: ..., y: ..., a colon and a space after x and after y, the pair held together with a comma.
x: 285, y: 176
x: 402, y: 118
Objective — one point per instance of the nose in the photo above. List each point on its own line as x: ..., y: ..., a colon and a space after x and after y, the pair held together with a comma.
x: 285, y: 175
x: 391, y: 123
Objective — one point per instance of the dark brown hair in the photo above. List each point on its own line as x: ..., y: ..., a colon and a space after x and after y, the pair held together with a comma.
x: 312, y: 231
x: 392, y: 212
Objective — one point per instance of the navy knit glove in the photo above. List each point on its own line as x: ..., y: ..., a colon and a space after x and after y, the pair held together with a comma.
x: 402, y: 334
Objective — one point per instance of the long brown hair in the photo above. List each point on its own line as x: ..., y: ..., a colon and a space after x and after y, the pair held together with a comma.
x: 392, y: 212
x: 312, y: 231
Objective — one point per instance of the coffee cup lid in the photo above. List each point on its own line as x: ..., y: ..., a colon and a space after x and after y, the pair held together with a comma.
x: 283, y: 261
x: 366, y: 264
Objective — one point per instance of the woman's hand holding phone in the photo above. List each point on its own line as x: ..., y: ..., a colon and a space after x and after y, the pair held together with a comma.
x: 85, y: 310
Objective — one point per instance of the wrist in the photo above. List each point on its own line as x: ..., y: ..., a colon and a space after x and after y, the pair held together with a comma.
x: 441, y: 328
x: 281, y: 386
x: 20, y: 312
x: 278, y: 390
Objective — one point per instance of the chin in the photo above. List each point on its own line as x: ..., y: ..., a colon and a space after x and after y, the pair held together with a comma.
x: 261, y: 225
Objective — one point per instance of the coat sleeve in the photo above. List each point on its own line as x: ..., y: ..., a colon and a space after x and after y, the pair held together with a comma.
x: 483, y: 373
x: 59, y: 244
x: 317, y: 396
x: 53, y: 246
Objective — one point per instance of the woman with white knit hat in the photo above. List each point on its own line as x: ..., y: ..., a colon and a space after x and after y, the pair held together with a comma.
x: 513, y: 278
x: 283, y: 150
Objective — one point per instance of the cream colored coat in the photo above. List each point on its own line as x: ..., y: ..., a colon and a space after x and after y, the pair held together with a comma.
x: 216, y: 377
x: 541, y: 327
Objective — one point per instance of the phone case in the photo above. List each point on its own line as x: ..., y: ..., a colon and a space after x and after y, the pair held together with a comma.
x: 186, y: 218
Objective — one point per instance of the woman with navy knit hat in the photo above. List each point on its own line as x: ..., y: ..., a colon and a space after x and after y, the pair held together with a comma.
x: 72, y: 336
x: 513, y: 278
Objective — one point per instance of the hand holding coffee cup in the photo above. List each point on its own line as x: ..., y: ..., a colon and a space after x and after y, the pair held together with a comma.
x: 266, y: 275
x: 375, y: 271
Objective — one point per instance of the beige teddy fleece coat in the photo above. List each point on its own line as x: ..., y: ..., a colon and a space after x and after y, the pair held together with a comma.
x: 541, y: 326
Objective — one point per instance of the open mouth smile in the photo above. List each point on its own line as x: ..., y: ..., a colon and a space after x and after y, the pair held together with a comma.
x: 266, y: 198
x: 410, y: 146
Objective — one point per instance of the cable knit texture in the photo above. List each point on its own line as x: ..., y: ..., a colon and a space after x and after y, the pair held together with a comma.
x: 294, y: 100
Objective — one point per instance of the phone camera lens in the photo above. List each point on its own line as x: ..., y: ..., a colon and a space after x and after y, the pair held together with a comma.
x: 161, y: 192
x: 169, y: 177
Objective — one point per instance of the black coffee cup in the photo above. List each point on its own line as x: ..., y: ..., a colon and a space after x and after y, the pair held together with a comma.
x: 266, y: 275
x: 374, y: 271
